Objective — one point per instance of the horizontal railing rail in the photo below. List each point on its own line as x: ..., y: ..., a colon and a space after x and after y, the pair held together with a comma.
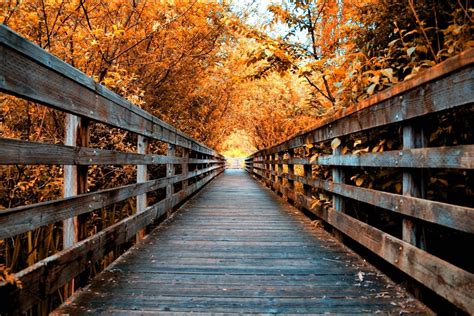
x: 445, y: 88
x: 29, y: 72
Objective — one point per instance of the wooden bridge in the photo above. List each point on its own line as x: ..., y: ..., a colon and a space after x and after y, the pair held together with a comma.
x: 236, y: 246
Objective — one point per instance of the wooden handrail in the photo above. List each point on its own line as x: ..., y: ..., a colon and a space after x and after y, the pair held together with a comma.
x: 56, y: 84
x: 31, y: 73
x: 398, y: 103
x: 446, y: 87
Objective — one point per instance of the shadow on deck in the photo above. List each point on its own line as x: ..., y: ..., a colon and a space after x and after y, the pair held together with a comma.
x: 236, y: 248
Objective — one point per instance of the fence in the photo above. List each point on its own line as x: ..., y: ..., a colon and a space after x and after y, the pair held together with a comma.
x: 407, y: 114
x: 28, y: 72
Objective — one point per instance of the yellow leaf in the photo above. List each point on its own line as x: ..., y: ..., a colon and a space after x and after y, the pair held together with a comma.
x: 371, y: 88
x: 388, y: 72
x: 335, y: 143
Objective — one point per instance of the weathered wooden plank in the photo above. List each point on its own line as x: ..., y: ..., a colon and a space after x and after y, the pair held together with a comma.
x: 457, y: 157
x: 413, y: 184
x: 444, y: 278
x: 142, y: 176
x: 70, y: 185
x: 447, y: 85
x: 338, y: 176
x: 15, y: 151
x: 250, y: 305
x: 170, y: 171
x: 449, y: 215
x: 26, y: 218
x: 48, y: 275
x: 31, y: 72
x: 291, y: 169
x: 185, y: 266
x: 419, y: 264
x: 185, y: 167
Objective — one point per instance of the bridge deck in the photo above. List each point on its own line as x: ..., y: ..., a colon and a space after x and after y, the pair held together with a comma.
x: 235, y: 248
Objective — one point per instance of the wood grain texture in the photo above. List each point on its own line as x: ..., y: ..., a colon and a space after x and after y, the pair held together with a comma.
x: 236, y: 249
x: 449, y: 215
x: 142, y: 176
x: 444, y: 278
x: 15, y: 151
x: 452, y: 157
x: 48, y: 275
x: 26, y: 218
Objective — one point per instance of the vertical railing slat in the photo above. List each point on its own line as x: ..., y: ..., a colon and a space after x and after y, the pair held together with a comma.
x: 170, y: 170
x: 142, y: 176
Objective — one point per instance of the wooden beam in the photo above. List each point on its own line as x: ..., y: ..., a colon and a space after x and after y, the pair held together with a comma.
x: 458, y: 157
x: 15, y: 151
x: 448, y: 215
x: 451, y: 157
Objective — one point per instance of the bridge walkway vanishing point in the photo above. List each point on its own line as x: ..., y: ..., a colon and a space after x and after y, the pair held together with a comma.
x: 237, y: 248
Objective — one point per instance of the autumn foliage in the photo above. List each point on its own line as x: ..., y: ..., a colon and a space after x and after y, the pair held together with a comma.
x: 207, y: 70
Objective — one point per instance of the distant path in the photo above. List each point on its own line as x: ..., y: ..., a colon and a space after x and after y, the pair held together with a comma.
x: 236, y: 248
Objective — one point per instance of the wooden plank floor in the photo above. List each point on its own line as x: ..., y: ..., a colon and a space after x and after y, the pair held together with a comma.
x: 237, y: 248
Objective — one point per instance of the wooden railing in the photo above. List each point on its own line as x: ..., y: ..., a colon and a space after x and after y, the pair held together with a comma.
x: 404, y: 110
x: 29, y: 72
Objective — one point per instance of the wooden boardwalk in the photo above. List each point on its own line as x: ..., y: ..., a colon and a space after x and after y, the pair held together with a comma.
x: 236, y: 248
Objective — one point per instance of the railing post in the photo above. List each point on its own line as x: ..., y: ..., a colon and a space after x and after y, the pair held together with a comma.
x: 307, y: 189
x: 291, y: 173
x: 338, y: 204
x: 267, y: 169
x: 75, y: 181
x: 251, y: 166
x: 413, y: 185
x: 338, y: 176
x: 170, y: 170
x: 278, y: 178
x: 142, y: 176
x: 273, y: 171
x: 185, y: 167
